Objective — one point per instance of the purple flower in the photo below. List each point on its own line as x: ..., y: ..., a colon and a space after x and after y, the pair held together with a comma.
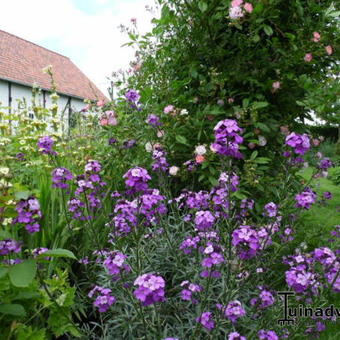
x: 189, y: 244
x: 28, y: 214
x: 150, y: 289
x: 115, y: 265
x: 9, y: 246
x: 153, y: 120
x: 305, y: 199
x: 300, y: 143
x: 129, y: 144
x: 60, y: 176
x: 20, y: 156
x: 136, y: 179
x: 271, y: 209
x: 204, y: 220
x: 246, y: 241
x: 227, y: 139
x: 233, y: 310
x: 325, y: 164
x: 236, y: 336
x: 267, y: 335
x: 160, y: 163
x: 206, y: 320
x: 132, y: 96
x: 327, y: 195
x: 299, y: 279
x: 104, y: 298
x: 112, y: 141
x: 45, y: 144
x: 265, y: 299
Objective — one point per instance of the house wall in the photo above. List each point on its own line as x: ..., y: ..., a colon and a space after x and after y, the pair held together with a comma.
x: 20, y: 92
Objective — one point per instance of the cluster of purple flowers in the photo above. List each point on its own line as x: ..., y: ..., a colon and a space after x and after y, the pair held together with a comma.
x: 231, y: 180
x: 246, y: 240
x: 325, y: 164
x: 115, y: 264
x: 271, y: 209
x: 227, y: 138
x: 213, y: 257
x: 128, y: 144
x: 206, y: 320
x: 233, y: 310
x: 189, y: 244
x: 300, y: 143
x: 90, y: 186
x: 331, y: 266
x: 151, y: 205
x: 132, y: 96
x: 305, y: 199
x: 153, y: 120
x: 45, y: 145
x: 104, y: 298
x: 264, y: 300
x: 60, y: 176
x: 136, y: 179
x: 150, y: 289
x: 267, y: 335
x: 9, y: 246
x: 189, y: 290
x: 301, y: 276
x: 236, y: 336
x: 125, y: 217
x: 28, y: 214
x: 204, y: 220
x: 160, y: 163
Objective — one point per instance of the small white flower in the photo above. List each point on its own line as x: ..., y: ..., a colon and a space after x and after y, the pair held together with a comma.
x: 160, y: 133
x: 148, y: 147
x: 200, y: 150
x: 235, y: 12
x: 173, y: 170
x: 209, y: 249
x: 262, y: 141
x: 183, y: 112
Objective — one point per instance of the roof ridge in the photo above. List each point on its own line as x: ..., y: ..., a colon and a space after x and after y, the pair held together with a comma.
x: 30, y: 42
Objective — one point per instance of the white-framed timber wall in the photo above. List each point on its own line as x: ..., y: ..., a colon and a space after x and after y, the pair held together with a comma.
x: 11, y: 93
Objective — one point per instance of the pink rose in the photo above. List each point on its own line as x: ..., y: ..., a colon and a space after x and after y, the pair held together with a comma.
x: 329, y: 49
x: 236, y: 3
x: 308, y: 57
x: 316, y: 37
x: 100, y: 103
x: 248, y: 7
x: 230, y: 100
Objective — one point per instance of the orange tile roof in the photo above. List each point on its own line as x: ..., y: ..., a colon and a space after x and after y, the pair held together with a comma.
x: 22, y: 61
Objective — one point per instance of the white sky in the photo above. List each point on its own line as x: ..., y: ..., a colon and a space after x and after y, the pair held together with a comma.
x: 86, y: 31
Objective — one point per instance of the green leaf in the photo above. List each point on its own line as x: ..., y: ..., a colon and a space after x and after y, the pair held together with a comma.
x: 268, y: 30
x: 254, y: 155
x: 12, y: 309
x: 239, y: 195
x: 245, y: 102
x: 22, y: 195
x: 259, y: 105
x: 202, y: 6
x: 3, y: 271
x: 22, y: 274
x: 181, y: 139
x: 262, y: 160
x: 263, y: 127
x: 58, y: 253
x: 26, y: 296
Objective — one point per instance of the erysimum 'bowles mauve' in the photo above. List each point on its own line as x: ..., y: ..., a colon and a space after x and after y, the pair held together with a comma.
x: 60, y: 176
x: 28, y: 214
x: 136, y: 179
x: 305, y: 199
x: 104, y: 298
x: 45, y: 145
x: 150, y: 289
x: 300, y: 143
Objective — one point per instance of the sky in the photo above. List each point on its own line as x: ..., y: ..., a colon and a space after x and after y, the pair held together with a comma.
x: 86, y: 31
